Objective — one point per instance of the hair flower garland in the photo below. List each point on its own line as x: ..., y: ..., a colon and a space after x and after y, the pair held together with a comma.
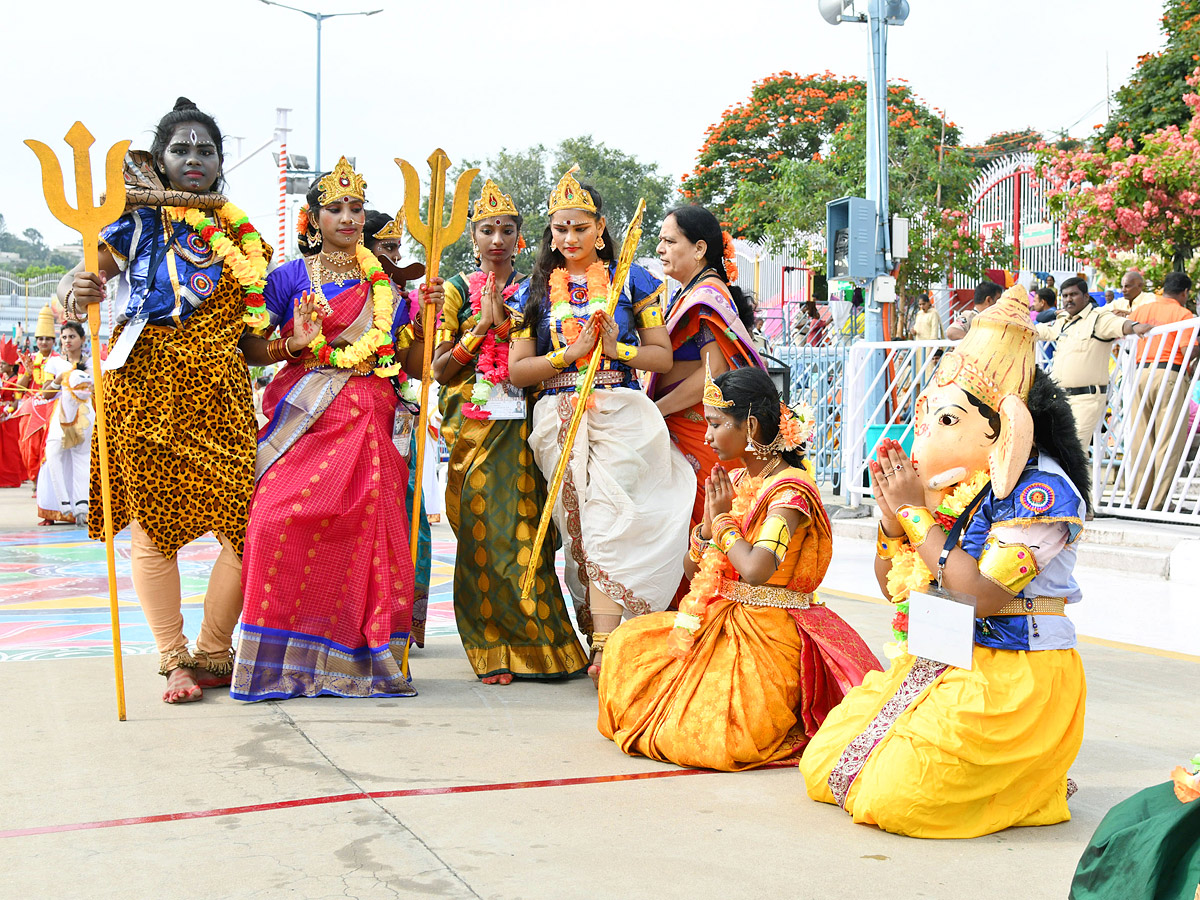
x: 706, y: 583
x: 247, y: 259
x: 378, y: 339
x: 491, y: 365
x: 729, y: 255
x: 796, y: 424
x: 909, y: 572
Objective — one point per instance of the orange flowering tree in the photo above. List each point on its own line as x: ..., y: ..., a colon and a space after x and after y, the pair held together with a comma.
x: 768, y: 167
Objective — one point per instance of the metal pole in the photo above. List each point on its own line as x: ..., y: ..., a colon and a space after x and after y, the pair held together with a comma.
x: 877, y: 155
x: 318, y: 17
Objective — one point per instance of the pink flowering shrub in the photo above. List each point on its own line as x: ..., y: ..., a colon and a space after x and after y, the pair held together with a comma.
x: 1120, y: 208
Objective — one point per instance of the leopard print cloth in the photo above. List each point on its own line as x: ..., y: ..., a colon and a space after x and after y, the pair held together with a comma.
x: 181, y: 429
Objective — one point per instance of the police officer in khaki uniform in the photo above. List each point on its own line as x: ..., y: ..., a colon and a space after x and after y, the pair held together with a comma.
x: 1083, y: 334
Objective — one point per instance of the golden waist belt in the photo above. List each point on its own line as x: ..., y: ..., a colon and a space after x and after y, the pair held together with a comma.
x: 766, y: 595
x: 569, y: 379
x: 1033, y: 606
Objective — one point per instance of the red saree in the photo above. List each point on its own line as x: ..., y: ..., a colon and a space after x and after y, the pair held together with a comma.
x: 327, y: 575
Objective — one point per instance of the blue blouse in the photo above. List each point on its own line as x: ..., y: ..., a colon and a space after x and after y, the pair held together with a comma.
x: 286, y: 283
x: 1043, y: 493
x: 640, y: 292
x: 139, y: 242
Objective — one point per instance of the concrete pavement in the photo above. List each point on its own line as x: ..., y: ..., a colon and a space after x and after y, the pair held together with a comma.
x: 494, y: 792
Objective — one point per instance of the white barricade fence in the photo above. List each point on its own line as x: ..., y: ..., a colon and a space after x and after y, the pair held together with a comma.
x: 1145, y: 450
x: 882, y: 382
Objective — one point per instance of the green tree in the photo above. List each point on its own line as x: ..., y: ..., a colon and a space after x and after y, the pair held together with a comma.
x: 792, y: 202
x: 1151, y: 99
x: 530, y: 175
x: 1002, y: 144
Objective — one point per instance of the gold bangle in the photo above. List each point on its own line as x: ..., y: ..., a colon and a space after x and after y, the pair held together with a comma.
x: 558, y: 358
x: 471, y: 341
x: 726, y: 532
x: 696, y: 544
x: 887, y: 546
x: 917, y: 522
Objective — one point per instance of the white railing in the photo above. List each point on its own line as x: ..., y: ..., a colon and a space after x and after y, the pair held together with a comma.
x: 1145, y: 451
x: 883, y: 380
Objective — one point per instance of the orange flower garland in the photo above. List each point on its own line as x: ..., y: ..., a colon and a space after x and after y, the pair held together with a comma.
x: 249, y: 261
x: 729, y: 255
x: 378, y: 339
x: 560, y: 299
x: 706, y: 583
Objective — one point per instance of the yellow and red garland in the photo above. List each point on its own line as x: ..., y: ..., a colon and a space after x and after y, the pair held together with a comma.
x: 248, y: 261
x: 378, y: 339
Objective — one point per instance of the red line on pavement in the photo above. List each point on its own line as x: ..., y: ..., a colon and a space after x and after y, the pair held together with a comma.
x: 361, y: 795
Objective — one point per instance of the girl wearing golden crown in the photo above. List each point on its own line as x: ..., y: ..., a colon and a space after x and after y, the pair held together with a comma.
x: 752, y: 663
x: 625, y: 498
x: 328, y: 578
x: 494, y: 491
x: 177, y: 399
x: 996, y: 491
x: 709, y: 320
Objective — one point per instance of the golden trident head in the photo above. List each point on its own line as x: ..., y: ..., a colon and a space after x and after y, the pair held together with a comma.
x: 85, y: 217
x: 434, y: 236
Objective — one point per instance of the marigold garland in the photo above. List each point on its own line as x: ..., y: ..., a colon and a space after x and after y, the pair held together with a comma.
x: 706, y: 583
x: 729, y: 254
x: 560, y: 299
x: 248, y: 262
x: 909, y: 572
x: 491, y: 365
x: 378, y: 339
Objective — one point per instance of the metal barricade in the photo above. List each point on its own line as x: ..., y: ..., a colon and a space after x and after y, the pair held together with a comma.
x: 818, y: 378
x: 882, y: 382
x: 1145, y: 451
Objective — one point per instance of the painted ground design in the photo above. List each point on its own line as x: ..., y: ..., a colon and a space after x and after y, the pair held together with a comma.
x: 54, y: 594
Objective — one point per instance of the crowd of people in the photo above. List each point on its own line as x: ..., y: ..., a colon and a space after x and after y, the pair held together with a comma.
x: 1078, y: 334
x: 694, y: 536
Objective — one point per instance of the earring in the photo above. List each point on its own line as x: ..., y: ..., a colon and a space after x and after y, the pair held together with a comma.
x: 600, y: 243
x: 316, y: 242
x: 475, y: 250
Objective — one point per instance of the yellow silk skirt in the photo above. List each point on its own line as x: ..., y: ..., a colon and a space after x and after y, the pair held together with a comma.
x: 732, y: 704
x: 955, y: 754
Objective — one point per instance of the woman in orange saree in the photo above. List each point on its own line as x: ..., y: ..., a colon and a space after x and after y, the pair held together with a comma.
x: 747, y: 670
x: 708, y: 320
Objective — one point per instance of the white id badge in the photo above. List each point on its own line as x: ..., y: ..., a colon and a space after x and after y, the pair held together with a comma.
x: 119, y: 352
x: 505, y: 402
x: 941, y: 626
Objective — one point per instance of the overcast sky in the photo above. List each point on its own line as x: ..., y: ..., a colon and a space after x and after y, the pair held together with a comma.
x: 647, y: 76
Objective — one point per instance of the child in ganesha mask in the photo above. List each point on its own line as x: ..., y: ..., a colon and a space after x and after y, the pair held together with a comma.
x: 930, y: 750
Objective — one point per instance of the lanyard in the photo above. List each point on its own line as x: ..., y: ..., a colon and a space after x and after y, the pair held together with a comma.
x: 955, y: 532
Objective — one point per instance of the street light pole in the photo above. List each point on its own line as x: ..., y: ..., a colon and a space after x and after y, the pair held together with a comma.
x: 319, y: 17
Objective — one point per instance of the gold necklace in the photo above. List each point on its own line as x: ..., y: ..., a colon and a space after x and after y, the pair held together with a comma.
x: 338, y: 257
x: 339, y: 278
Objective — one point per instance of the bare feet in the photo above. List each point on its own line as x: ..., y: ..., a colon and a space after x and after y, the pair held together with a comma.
x: 182, y: 687
x: 503, y: 678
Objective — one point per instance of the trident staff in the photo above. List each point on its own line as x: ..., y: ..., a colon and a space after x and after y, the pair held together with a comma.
x: 633, y: 236
x: 434, y: 237
x: 88, y: 219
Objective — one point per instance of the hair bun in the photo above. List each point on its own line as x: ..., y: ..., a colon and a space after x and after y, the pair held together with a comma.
x: 183, y: 103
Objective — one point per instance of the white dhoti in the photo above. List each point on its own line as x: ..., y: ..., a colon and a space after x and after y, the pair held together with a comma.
x: 626, y: 500
x: 62, y: 483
